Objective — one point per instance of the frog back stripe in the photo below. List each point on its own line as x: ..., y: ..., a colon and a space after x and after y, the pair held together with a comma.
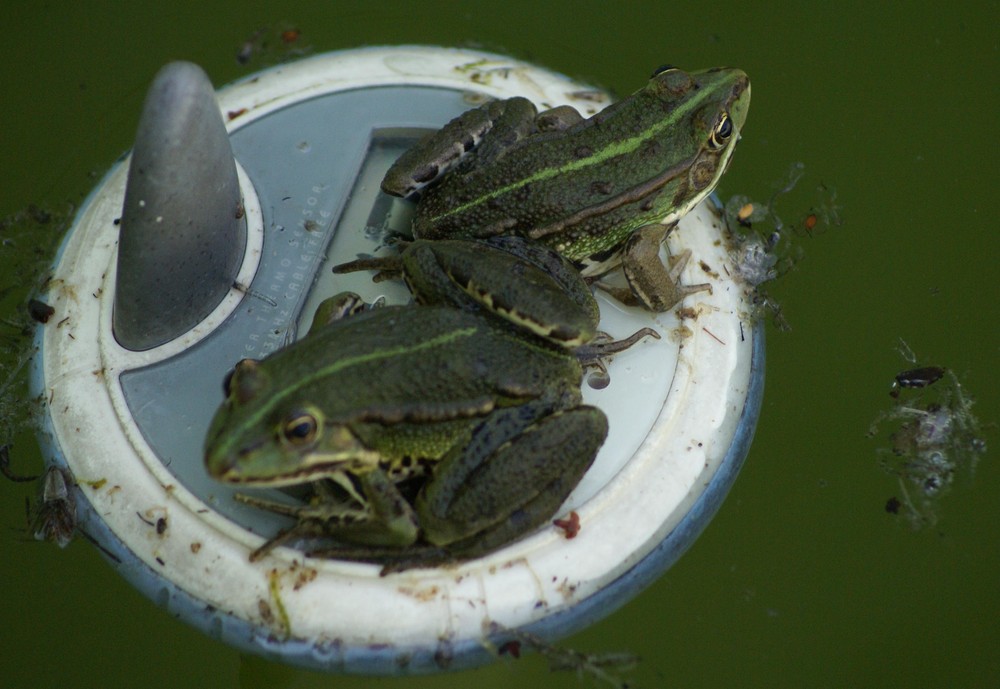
x: 620, y: 148
x: 633, y: 195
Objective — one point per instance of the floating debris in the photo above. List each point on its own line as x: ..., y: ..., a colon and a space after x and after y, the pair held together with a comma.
x: 570, y: 525
x: 761, y: 247
x: 28, y: 241
x: 270, y: 45
x: 935, y: 436
x: 602, y: 667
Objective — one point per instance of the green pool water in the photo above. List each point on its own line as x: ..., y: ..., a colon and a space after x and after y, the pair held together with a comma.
x: 803, y: 579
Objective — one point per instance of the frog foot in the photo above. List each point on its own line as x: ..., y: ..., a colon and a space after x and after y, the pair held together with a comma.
x: 652, y: 284
x: 593, y: 354
x: 386, y: 267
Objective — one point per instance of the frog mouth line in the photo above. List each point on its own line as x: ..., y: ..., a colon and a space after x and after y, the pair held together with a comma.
x: 313, y: 472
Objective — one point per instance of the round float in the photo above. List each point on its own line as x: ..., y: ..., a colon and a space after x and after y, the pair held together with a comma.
x: 146, y: 326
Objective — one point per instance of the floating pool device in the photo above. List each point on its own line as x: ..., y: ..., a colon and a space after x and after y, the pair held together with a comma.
x: 213, y: 242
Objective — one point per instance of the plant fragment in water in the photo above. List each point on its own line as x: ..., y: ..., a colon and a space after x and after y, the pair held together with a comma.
x: 603, y: 667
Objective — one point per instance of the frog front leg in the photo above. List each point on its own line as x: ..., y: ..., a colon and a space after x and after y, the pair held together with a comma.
x: 383, y: 519
x: 509, y: 479
x: 652, y: 283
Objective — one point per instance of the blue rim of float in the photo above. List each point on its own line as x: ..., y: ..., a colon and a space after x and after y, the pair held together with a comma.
x: 433, y: 654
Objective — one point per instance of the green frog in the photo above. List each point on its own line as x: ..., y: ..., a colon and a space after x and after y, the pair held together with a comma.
x: 428, y: 433
x: 600, y: 191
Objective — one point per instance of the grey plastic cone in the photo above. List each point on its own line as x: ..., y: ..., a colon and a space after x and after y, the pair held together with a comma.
x: 183, y: 232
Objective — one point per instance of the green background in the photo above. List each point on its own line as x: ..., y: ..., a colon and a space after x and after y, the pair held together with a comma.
x: 802, y: 580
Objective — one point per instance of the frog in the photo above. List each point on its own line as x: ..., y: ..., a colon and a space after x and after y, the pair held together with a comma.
x: 602, y: 191
x: 431, y: 432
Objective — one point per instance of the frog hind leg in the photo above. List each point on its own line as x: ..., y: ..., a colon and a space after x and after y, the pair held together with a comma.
x: 484, y: 132
x: 510, y: 479
x: 550, y: 262
x: 655, y: 286
x: 522, y: 282
x: 513, y: 121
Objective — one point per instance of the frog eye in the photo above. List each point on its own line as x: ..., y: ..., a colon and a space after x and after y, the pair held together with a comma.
x: 723, y: 131
x: 300, y: 428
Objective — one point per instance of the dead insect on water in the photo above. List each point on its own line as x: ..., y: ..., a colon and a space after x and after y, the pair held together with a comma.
x: 54, y: 516
x: 916, y: 378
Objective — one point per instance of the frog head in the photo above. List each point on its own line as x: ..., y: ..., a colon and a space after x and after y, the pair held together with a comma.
x: 263, y: 436
x: 694, y: 121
